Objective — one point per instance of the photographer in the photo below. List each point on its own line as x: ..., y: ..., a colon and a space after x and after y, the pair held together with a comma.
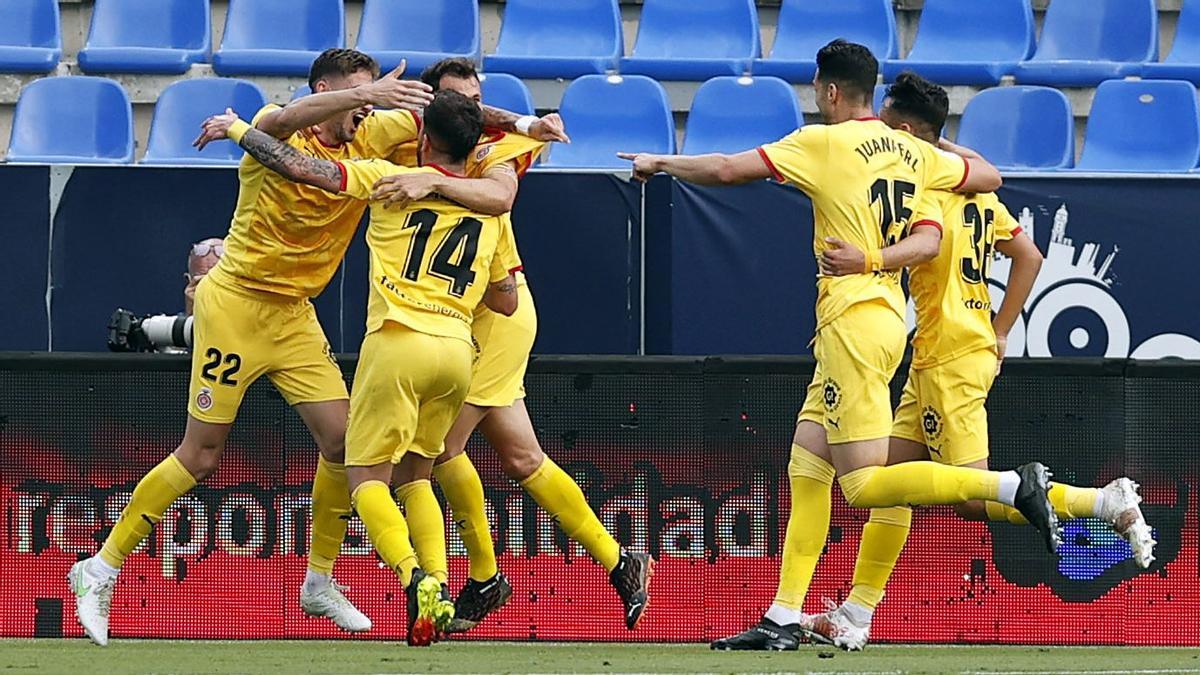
x: 166, y: 333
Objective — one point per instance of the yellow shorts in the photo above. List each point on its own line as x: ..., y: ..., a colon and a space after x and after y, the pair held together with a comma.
x: 408, y: 390
x: 240, y: 335
x: 943, y: 408
x: 857, y: 355
x: 502, y: 346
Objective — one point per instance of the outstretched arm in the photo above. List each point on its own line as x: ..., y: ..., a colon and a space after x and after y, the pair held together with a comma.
x: 271, y: 152
x: 545, y: 128
x: 713, y: 169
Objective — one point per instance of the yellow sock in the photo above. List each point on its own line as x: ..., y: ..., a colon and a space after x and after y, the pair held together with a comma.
x: 882, y: 540
x: 464, y: 492
x: 1068, y: 502
x: 810, y: 478
x: 330, y: 515
x: 153, y: 495
x: 556, y: 492
x: 427, y: 527
x: 917, y: 484
x: 386, y: 527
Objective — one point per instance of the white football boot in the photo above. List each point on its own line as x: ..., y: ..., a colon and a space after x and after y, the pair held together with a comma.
x: 835, y: 627
x: 93, y: 598
x: 1121, y: 510
x: 329, y: 601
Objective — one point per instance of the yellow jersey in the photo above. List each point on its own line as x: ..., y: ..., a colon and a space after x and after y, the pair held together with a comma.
x: 430, y: 263
x: 289, y: 239
x: 865, y: 180
x: 954, y: 307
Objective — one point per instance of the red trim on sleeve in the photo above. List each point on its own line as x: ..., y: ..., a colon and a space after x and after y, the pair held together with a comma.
x: 1017, y: 230
x: 417, y: 119
x: 770, y: 165
x: 966, y: 173
x: 342, y: 167
x: 518, y: 268
x: 926, y: 223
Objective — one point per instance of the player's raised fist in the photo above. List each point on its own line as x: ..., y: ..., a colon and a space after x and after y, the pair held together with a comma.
x: 215, y: 128
x: 394, y: 93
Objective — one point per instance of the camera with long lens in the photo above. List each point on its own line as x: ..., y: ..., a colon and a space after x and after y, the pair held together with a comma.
x: 128, y: 332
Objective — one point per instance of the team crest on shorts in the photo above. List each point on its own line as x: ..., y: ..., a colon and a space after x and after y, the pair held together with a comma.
x: 204, y: 399
x: 931, y: 422
x: 832, y: 394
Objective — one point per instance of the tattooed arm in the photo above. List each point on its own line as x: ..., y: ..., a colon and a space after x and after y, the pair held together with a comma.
x: 272, y: 153
x: 501, y: 296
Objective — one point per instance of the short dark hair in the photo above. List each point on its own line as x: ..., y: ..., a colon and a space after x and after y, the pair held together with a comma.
x: 342, y: 62
x: 454, y: 67
x: 917, y: 99
x: 851, y: 66
x: 454, y: 122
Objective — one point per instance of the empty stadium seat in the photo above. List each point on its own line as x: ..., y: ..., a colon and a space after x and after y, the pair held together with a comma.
x: 72, y: 120
x: 420, y: 32
x: 1183, y: 63
x: 1020, y: 128
x: 1085, y: 42
x: 968, y: 42
x: 564, y: 38
x: 731, y: 114
x: 1142, y: 125
x: 184, y: 105
x: 608, y: 114
x: 278, y: 37
x: 694, y: 39
x: 30, y: 36
x: 147, y: 36
x: 806, y: 26
x: 877, y: 99
x: 501, y: 90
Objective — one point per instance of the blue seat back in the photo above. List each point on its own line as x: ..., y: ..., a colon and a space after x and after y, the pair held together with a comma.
x: 30, y: 23
x: 877, y: 98
x: 731, y: 114
x: 1186, y: 48
x: 608, y: 114
x: 1021, y: 127
x: 806, y: 26
x: 1150, y: 125
x: 311, y: 25
x: 73, y: 119
x: 185, y: 104
x: 424, y: 26
x: 1099, y: 30
x: 175, y: 24
x: 501, y: 90
x: 995, y: 30
x: 711, y: 29
x: 561, y: 28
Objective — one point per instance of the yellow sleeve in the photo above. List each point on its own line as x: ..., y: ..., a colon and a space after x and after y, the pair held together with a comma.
x: 1006, y: 226
x: 943, y: 170
x: 501, y: 149
x: 798, y: 157
x: 296, y: 140
x: 928, y: 211
x: 384, y: 130
x: 359, y: 175
x: 507, y: 260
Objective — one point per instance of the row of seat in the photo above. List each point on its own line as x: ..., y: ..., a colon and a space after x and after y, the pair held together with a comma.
x: 1083, y: 42
x: 1146, y: 126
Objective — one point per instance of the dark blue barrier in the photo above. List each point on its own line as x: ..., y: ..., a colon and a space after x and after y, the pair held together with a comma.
x: 25, y: 237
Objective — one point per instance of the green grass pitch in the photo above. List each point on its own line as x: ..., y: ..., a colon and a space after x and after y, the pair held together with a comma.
x: 281, y: 656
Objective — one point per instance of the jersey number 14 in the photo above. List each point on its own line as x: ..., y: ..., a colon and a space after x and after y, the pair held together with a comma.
x: 453, y: 258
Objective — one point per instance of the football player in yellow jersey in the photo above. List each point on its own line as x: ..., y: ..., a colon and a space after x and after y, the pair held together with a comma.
x: 865, y: 180
x: 956, y: 354
x: 253, y: 318
x: 432, y: 264
x: 496, y: 406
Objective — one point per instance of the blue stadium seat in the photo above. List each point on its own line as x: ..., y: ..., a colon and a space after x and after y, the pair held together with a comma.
x: 1085, y: 42
x: 607, y: 114
x: 877, y: 99
x: 564, y: 38
x: 278, y: 37
x: 1021, y: 128
x: 1148, y: 126
x: 72, y: 120
x: 1183, y: 63
x: 501, y: 90
x: 147, y: 36
x: 806, y: 26
x: 694, y: 39
x: 422, y: 32
x: 968, y: 42
x: 731, y: 114
x: 184, y: 105
x: 30, y: 36
x: 301, y: 91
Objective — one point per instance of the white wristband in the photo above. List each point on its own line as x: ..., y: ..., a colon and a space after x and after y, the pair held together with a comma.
x: 523, y: 123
